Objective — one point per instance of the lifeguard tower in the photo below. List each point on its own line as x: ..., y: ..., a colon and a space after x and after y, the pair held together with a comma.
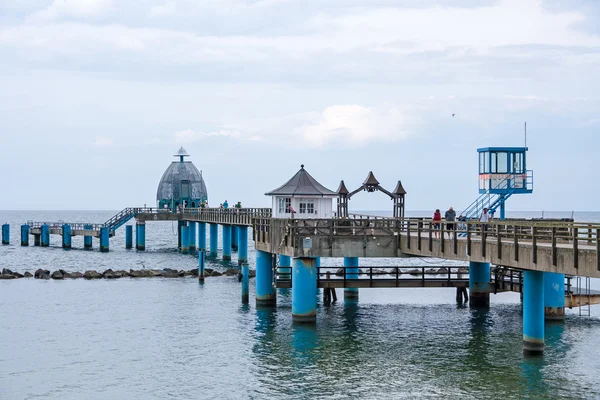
x: 502, y: 173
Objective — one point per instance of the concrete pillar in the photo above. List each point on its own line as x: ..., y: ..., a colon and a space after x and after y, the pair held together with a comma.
x: 285, y: 267
x: 242, y: 244
x: 533, y: 312
x: 87, y: 240
x: 201, y: 259
x: 351, y: 271
x: 554, y: 296
x: 129, y: 236
x: 265, y: 292
x: 479, y: 284
x: 185, y: 240
x: 202, y: 236
x: 25, y: 235
x: 192, y: 235
x: 66, y: 236
x: 304, y: 290
x: 214, y: 240
x: 45, y: 235
x: 104, y: 240
x: 6, y: 234
x: 226, y: 242
x: 234, y: 237
x: 37, y: 240
x: 140, y: 236
x: 179, y: 225
x: 245, y: 283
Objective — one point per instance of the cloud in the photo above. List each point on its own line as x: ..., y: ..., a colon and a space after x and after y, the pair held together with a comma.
x: 168, y: 8
x: 103, y: 141
x: 356, y: 125
x: 187, y: 136
x: 73, y: 8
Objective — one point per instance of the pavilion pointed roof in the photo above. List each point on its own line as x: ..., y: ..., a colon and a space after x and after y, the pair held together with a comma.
x: 399, y: 189
x: 302, y: 184
x: 342, y: 189
x: 371, y: 180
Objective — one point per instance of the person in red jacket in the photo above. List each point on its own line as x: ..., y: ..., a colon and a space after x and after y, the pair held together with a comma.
x: 437, y: 217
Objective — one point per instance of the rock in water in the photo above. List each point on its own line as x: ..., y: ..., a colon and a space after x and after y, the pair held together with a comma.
x: 27, y: 274
x: 92, y: 274
x: 42, y: 274
x: 57, y: 275
x: 6, y: 276
x: 75, y: 275
x: 170, y: 273
x: 6, y: 271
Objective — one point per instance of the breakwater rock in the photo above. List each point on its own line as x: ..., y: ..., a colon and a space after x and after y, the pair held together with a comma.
x: 61, y: 274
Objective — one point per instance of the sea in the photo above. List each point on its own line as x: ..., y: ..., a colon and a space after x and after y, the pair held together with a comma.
x: 159, y: 338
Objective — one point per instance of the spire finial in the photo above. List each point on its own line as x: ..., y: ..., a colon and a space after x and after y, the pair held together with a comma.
x: 302, y: 166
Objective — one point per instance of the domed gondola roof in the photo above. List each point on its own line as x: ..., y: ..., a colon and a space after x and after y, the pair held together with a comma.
x: 170, y: 183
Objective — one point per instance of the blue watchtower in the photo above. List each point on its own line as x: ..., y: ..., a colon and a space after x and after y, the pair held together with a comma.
x: 502, y: 173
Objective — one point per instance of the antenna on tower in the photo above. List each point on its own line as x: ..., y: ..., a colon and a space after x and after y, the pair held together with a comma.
x: 525, y: 133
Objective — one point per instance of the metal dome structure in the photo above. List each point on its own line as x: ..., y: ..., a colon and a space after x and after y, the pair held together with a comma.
x: 181, y: 184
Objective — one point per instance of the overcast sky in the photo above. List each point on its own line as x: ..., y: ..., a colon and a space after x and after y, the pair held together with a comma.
x: 97, y: 95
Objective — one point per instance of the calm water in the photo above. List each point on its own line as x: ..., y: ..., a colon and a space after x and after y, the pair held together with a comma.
x: 173, y: 338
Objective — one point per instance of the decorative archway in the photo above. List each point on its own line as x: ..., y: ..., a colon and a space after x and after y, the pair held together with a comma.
x: 370, y: 185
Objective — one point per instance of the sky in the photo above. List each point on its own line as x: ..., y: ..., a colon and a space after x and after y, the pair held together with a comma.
x: 97, y: 95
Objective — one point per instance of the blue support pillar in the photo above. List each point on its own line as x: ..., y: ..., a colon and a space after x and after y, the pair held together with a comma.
x: 242, y: 244
x: 45, y: 236
x: 479, y: 284
x: 87, y: 240
x: 285, y: 267
x: 226, y: 242
x: 104, y: 240
x: 37, y: 240
x: 234, y: 237
x: 554, y: 296
x: 214, y: 240
x: 502, y: 210
x: 304, y: 290
x: 140, y: 236
x: 66, y: 236
x: 351, y: 271
x: 533, y: 312
x: 245, y: 283
x: 185, y: 240
x: 129, y: 236
x: 192, y: 236
x: 202, y: 236
x: 201, y: 259
x: 6, y: 234
x: 265, y: 292
x: 24, y: 235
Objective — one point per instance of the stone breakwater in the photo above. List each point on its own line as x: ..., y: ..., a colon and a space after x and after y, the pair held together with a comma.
x: 61, y: 274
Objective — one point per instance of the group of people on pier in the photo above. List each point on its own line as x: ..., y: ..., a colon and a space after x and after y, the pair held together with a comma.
x: 450, y: 218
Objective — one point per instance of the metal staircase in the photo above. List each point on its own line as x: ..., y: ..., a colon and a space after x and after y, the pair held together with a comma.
x: 120, y: 219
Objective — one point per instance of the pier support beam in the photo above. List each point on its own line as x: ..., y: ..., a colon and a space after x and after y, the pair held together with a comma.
x: 202, y: 236
x: 285, y: 267
x: 226, y: 242
x: 179, y: 225
x: 201, y: 259
x: 533, y: 312
x: 245, y: 283
x: 234, y: 237
x: 185, y: 239
x: 554, y: 296
x: 104, y: 240
x: 45, y: 235
x: 265, y: 291
x: 304, y: 290
x: 129, y: 236
x: 351, y: 273
x: 479, y: 284
x: 25, y: 235
x: 214, y: 240
x: 192, y: 235
x: 242, y: 244
x: 87, y: 240
x: 5, y: 234
x: 37, y: 240
x: 140, y: 236
x: 66, y: 236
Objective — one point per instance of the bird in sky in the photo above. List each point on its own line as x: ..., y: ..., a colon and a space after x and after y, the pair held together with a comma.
x: 453, y: 115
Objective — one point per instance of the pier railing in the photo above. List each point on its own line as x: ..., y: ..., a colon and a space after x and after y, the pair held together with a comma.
x: 81, y: 226
x: 234, y: 216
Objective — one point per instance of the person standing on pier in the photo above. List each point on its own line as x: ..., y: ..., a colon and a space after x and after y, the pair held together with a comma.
x: 226, y: 205
x: 450, y: 218
x: 484, y: 219
x: 437, y: 218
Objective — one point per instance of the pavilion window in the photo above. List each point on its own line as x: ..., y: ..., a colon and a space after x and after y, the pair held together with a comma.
x: 284, y: 205
x: 307, y: 206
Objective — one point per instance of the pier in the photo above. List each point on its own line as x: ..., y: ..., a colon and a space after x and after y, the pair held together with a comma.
x: 538, y: 258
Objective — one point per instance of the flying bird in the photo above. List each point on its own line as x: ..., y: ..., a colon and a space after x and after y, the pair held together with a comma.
x: 453, y: 115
